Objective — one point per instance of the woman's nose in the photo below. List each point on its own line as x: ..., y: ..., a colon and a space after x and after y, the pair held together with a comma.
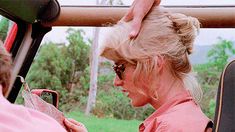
x: 117, y: 81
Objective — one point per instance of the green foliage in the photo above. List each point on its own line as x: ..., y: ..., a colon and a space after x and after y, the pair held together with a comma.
x: 94, y: 124
x: 112, y: 103
x: 47, y: 70
x: 4, y: 24
x: 59, y: 67
x: 220, y: 53
x: 211, y: 110
x: 209, y: 73
x: 78, y: 49
x: 85, y: 79
x: 20, y: 99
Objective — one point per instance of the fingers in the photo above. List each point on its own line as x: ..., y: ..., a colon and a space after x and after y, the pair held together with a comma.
x: 136, y: 13
x: 75, y: 122
x: 74, y: 126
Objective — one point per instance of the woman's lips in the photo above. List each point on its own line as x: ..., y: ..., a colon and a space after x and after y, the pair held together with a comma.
x: 124, y: 90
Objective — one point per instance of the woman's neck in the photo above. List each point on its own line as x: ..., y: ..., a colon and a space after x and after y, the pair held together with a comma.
x: 167, y: 87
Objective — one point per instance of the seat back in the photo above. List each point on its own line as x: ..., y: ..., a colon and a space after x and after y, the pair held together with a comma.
x: 225, y: 104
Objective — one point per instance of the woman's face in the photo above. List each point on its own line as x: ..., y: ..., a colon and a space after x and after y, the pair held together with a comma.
x: 124, y: 79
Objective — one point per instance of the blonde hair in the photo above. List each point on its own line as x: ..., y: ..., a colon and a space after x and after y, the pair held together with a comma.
x: 162, y: 33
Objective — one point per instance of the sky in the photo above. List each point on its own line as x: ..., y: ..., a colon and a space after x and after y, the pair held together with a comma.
x: 206, y: 36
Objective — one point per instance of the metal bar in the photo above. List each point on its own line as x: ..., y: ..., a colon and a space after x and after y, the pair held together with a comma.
x: 209, y: 16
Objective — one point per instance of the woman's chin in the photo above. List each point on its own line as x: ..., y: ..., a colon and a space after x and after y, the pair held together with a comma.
x: 136, y: 104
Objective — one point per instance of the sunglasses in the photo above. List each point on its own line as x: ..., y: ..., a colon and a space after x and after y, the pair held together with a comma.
x: 119, y: 69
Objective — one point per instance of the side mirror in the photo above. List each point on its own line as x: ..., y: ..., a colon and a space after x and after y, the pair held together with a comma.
x: 50, y: 96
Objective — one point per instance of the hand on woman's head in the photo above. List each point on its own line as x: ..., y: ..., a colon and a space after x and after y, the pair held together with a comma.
x: 138, y: 10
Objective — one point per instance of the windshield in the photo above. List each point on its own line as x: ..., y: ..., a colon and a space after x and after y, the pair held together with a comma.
x: 164, y: 2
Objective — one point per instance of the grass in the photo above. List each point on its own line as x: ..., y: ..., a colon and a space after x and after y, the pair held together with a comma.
x: 94, y: 124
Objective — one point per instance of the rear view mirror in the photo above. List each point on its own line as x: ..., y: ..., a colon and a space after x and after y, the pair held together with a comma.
x: 50, y: 96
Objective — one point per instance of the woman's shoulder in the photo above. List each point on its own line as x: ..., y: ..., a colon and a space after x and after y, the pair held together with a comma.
x: 186, y: 110
x: 186, y: 116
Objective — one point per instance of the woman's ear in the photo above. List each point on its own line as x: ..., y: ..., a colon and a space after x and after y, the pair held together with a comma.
x: 160, y: 63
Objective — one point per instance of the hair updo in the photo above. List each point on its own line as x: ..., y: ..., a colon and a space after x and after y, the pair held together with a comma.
x: 186, y: 27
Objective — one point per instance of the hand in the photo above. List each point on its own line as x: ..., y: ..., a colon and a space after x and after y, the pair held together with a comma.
x: 137, y: 12
x: 74, y: 126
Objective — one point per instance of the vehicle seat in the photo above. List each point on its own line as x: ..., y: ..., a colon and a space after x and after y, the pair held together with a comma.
x: 224, y: 120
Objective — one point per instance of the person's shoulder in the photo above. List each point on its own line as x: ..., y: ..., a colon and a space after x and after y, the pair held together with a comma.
x: 45, y: 120
x: 32, y: 119
x: 187, y: 116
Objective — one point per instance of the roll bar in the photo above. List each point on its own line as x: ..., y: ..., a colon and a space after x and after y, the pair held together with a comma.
x: 209, y: 16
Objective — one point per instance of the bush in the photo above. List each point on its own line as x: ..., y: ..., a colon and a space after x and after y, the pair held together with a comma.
x: 211, y: 111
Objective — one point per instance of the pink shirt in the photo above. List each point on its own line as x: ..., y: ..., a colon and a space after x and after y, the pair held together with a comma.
x: 16, y: 118
x: 180, y: 114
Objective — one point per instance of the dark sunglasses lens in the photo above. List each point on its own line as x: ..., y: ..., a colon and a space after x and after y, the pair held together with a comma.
x: 119, y: 69
x: 119, y: 74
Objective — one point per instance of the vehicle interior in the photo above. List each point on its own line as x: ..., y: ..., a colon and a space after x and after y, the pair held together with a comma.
x: 29, y: 28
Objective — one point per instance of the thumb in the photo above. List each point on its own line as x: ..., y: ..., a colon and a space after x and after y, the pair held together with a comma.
x: 135, y: 29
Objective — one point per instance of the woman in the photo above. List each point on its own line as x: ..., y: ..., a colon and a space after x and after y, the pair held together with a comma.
x: 154, y: 69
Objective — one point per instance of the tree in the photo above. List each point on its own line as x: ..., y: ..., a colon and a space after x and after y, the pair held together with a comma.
x: 4, y: 24
x: 94, y: 64
x: 77, y: 56
x: 48, y: 69
x: 93, y: 73
x: 59, y: 67
x: 220, y: 53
